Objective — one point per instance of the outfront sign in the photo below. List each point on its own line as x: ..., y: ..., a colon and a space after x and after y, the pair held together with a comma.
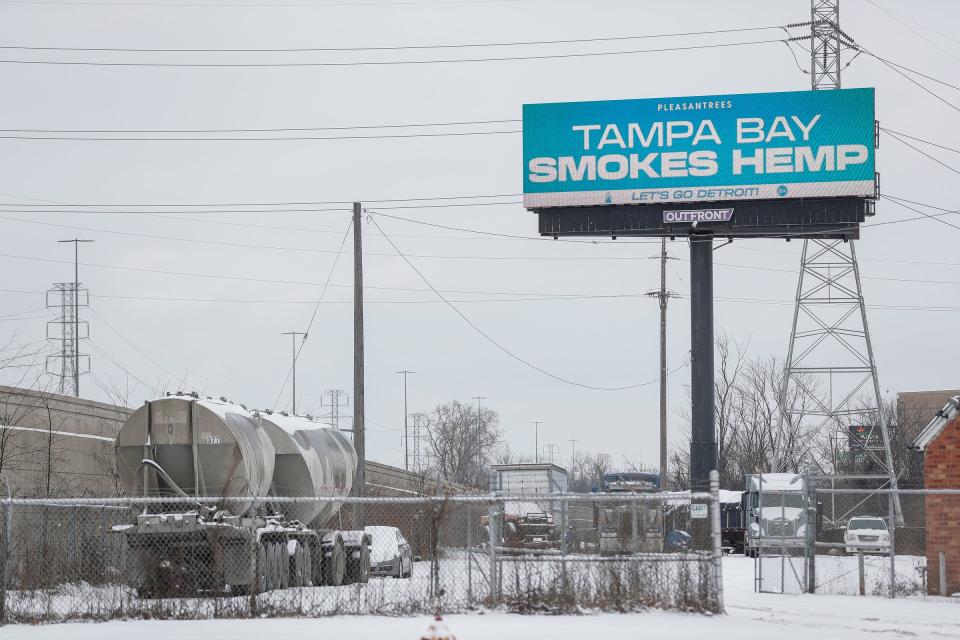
x: 698, y: 215
x: 757, y: 146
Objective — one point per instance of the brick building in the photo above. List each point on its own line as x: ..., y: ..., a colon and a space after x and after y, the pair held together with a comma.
x: 940, y: 444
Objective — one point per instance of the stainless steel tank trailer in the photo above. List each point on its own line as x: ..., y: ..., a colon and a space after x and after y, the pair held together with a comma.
x: 189, y: 448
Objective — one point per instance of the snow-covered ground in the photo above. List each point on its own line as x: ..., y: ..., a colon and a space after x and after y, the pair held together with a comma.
x: 749, y: 615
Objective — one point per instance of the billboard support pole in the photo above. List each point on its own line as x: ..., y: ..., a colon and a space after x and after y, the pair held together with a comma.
x: 703, y: 442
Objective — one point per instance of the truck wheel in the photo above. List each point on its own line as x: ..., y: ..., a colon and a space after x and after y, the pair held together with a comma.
x: 335, y: 564
x: 260, y: 570
x: 269, y: 568
x: 359, y: 567
x: 276, y: 566
x: 283, y: 564
x: 298, y: 575
x: 307, y: 564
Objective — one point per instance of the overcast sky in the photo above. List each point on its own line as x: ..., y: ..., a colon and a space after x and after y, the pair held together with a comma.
x: 231, y: 345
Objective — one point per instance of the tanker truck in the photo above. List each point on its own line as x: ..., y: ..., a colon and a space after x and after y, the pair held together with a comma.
x: 225, y: 532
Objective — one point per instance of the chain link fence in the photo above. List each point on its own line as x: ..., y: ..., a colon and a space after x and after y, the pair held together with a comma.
x: 852, y: 539
x: 190, y: 558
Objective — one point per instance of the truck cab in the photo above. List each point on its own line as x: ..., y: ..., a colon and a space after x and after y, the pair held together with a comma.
x: 629, y: 527
x: 775, y: 510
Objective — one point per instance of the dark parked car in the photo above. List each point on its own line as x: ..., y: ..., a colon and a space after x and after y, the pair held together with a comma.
x: 678, y: 540
x: 390, y: 553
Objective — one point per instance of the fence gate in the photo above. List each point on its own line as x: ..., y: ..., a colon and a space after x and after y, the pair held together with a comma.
x: 781, y: 555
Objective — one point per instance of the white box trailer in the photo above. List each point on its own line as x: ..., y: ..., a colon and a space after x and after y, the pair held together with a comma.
x: 533, y: 522
x: 527, y: 478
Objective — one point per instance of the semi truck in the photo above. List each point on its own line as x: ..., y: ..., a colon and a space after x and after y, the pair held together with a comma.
x: 223, y: 529
x: 774, y: 511
x: 629, y: 527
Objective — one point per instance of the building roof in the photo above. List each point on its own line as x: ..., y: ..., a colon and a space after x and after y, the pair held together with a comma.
x: 941, y: 420
x: 528, y: 466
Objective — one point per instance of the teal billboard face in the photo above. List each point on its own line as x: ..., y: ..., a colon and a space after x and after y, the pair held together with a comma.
x: 755, y: 146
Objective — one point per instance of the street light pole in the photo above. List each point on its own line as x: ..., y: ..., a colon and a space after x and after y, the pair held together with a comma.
x: 293, y: 341
x: 406, y: 434
x: 536, y: 439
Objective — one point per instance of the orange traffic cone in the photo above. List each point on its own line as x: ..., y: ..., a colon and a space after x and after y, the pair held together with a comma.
x: 437, y: 631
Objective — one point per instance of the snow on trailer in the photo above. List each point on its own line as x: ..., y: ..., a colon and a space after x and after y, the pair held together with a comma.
x: 182, y: 448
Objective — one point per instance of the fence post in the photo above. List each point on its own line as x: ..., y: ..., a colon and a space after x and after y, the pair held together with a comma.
x: 492, y: 526
x: 943, y: 574
x: 6, y: 535
x: 5, y: 540
x: 811, y: 540
x: 893, y: 542
x: 563, y: 543
x: 469, y: 554
x: 717, y: 538
x: 863, y: 582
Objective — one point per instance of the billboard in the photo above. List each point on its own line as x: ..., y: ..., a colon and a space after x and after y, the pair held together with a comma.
x: 755, y: 146
x: 862, y: 437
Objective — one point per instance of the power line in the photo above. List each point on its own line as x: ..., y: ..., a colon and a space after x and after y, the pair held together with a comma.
x: 923, y: 153
x: 929, y: 142
x: 507, y: 235
x: 522, y: 297
x: 499, y: 346
x: 926, y: 215
x: 249, y: 5
x: 382, y: 202
x: 901, y: 20
x: 375, y: 63
x: 103, y: 353
x: 897, y: 68
x: 241, y: 245
x: 316, y: 308
x: 172, y: 375
x: 385, y: 136
x: 116, y: 209
x: 519, y: 43
x: 928, y: 28
x: 276, y: 129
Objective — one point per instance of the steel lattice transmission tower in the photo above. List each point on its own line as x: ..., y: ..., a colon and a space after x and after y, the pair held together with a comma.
x: 64, y: 300
x: 830, y: 363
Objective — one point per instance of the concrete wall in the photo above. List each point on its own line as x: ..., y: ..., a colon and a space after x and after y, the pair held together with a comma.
x: 61, y: 446
x: 53, y: 445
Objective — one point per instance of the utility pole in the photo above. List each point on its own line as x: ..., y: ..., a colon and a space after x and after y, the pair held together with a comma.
x: 479, y: 433
x: 573, y: 454
x: 536, y: 439
x: 76, y: 312
x: 830, y: 307
x: 663, y: 295
x: 293, y: 341
x: 406, y: 434
x: 359, y: 436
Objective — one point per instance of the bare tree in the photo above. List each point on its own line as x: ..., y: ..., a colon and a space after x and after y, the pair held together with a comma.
x: 505, y: 455
x: 751, y: 436
x: 23, y: 365
x: 461, y: 442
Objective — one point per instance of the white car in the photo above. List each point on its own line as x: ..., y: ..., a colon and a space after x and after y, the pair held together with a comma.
x: 868, y: 534
x: 390, y: 553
